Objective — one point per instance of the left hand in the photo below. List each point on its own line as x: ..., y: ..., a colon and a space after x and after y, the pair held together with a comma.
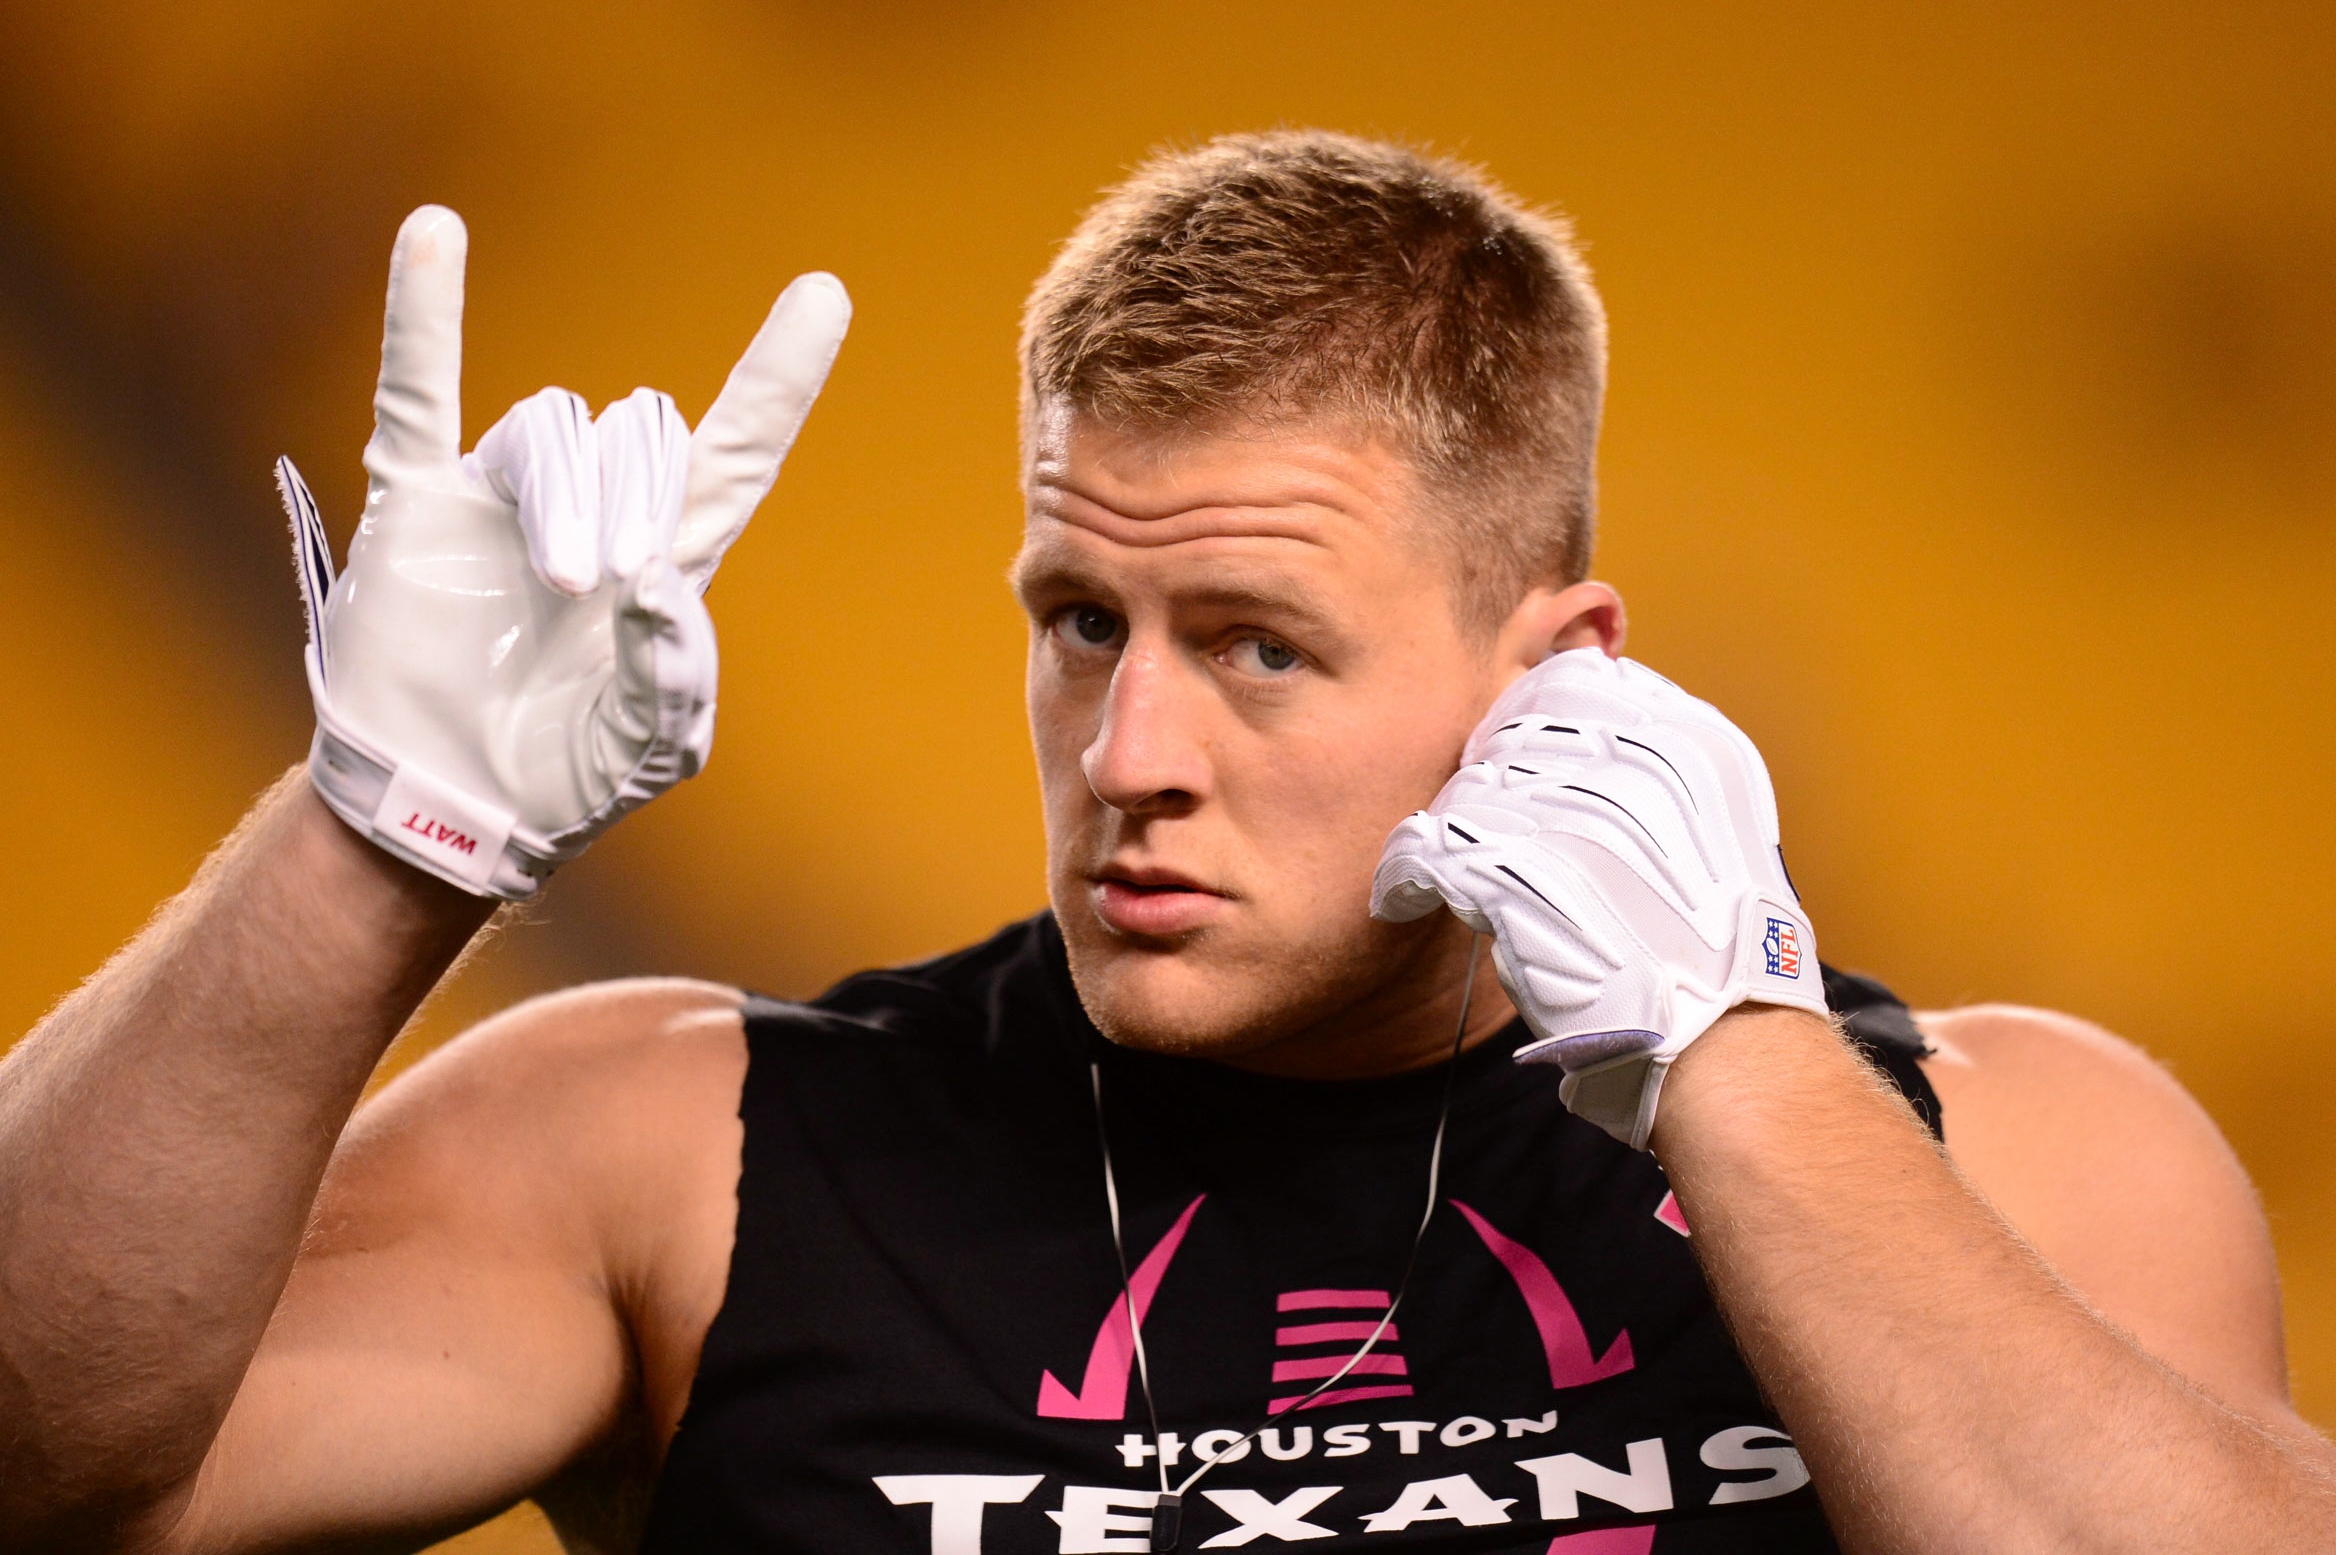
x: 1618, y: 839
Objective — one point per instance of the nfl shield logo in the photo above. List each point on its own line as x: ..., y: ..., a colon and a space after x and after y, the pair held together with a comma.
x: 1782, y: 945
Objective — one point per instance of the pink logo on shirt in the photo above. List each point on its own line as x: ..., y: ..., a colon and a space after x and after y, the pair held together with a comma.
x: 1318, y: 1350
x: 1102, y: 1392
x: 1319, y: 1347
x: 1563, y: 1341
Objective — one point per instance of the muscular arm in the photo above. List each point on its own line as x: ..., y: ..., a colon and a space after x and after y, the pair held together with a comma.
x: 1949, y: 1387
x: 236, y: 1319
x: 162, y: 1134
x: 2110, y: 1171
x: 513, y: 1262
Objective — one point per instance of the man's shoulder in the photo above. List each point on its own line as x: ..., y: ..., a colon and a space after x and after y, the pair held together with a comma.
x: 2014, y: 1073
x: 647, y: 1059
x: 2107, y: 1165
x: 584, y: 1140
x: 2039, y: 1103
x: 2079, y: 1135
x: 592, y: 1041
x: 606, y: 1080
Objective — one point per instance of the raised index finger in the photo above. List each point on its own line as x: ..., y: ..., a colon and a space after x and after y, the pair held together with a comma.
x: 735, y: 452
x: 417, y: 405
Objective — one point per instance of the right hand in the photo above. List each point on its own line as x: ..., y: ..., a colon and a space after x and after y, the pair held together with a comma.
x: 517, y: 653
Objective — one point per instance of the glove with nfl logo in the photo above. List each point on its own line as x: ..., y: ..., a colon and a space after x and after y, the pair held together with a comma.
x: 517, y: 653
x: 1618, y: 839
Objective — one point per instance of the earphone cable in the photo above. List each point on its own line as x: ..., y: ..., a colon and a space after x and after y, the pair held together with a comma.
x: 1135, y: 1323
x: 1168, y: 1511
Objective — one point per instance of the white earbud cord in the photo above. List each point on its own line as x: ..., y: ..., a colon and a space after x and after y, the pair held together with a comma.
x: 1167, y: 1512
x: 1135, y: 1322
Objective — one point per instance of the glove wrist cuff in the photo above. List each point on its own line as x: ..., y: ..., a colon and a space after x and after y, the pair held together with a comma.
x: 422, y: 821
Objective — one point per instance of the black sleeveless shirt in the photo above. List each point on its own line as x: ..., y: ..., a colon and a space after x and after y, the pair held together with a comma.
x: 924, y: 1346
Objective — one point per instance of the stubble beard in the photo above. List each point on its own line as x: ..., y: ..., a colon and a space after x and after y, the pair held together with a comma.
x: 1227, y: 997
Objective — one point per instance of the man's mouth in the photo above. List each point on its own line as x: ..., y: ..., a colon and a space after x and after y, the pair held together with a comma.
x: 1154, y: 903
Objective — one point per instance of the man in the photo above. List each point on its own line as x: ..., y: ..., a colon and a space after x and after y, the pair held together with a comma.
x: 997, y: 1253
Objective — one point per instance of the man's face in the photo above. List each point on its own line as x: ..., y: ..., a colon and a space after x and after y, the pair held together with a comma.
x: 1245, y: 668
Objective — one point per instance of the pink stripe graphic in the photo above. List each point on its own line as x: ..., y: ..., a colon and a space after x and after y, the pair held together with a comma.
x: 1323, y: 1333
x: 1563, y: 1341
x: 1606, y: 1541
x: 1102, y: 1392
x: 1308, y: 1300
x: 1670, y: 1214
x: 1338, y: 1396
x: 1372, y: 1365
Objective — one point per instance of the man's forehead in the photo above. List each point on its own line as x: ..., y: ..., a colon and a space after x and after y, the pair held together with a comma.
x: 1160, y: 487
x: 1288, y: 519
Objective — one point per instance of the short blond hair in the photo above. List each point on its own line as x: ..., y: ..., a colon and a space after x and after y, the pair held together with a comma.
x: 1304, y: 275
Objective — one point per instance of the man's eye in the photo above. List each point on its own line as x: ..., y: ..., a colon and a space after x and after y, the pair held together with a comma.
x: 1096, y: 628
x: 1264, y: 656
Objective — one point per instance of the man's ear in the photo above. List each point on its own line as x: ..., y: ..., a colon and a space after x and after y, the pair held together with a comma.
x: 1551, y: 620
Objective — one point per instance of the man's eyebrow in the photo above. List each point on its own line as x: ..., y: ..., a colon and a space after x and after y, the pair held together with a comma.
x: 1290, y: 601
x: 1047, y: 570
x: 1046, y: 573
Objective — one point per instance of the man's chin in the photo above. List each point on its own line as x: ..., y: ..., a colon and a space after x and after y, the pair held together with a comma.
x: 1181, y: 995
x: 1213, y: 995
x: 1155, y: 997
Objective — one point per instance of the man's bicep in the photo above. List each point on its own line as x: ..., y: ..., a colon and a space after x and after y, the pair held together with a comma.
x: 444, y: 1347
x: 394, y: 1398
x: 2113, y: 1173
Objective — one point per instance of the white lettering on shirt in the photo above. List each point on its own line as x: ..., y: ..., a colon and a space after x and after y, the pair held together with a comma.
x: 1407, y: 1433
x: 1090, y: 1516
x: 1133, y: 1449
x: 1221, y: 1446
x: 1301, y: 1443
x: 1646, y: 1488
x: 1733, y: 1449
x: 957, y: 1500
x: 1255, y: 1517
x: 1466, y: 1429
x: 1456, y: 1499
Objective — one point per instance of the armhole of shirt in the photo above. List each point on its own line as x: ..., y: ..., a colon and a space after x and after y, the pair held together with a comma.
x: 1883, y: 1029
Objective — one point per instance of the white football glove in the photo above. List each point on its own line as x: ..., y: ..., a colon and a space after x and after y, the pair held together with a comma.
x: 517, y: 654
x: 1618, y: 840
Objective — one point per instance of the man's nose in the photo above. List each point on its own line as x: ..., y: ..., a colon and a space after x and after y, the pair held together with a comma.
x: 1147, y: 757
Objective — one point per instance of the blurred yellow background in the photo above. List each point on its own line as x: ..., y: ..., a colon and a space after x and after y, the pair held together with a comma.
x: 1972, y: 441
